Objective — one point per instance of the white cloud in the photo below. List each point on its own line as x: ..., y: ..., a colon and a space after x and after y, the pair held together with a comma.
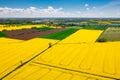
x: 87, y: 8
x: 30, y: 12
x: 86, y: 5
x: 56, y: 12
x: 94, y: 7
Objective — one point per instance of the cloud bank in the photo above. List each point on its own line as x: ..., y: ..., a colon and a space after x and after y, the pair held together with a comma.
x: 90, y: 11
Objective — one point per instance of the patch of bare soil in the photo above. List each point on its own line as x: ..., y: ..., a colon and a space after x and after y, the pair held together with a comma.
x: 26, y: 34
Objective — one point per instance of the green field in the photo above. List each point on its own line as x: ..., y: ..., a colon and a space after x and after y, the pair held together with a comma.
x: 96, y: 27
x: 110, y: 34
x: 2, y: 34
x: 60, y: 35
x: 74, y: 27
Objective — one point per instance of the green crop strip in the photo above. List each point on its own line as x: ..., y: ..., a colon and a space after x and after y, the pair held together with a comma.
x: 2, y: 34
x: 60, y: 35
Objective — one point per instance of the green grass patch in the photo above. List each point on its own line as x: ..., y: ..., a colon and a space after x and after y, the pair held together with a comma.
x: 96, y: 27
x: 43, y: 28
x: 74, y: 27
x: 60, y: 35
x: 2, y: 34
x: 110, y: 34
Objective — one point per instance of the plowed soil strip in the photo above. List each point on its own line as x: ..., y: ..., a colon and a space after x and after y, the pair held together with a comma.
x: 27, y: 34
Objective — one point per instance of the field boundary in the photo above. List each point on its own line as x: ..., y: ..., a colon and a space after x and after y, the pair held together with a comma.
x: 101, y: 35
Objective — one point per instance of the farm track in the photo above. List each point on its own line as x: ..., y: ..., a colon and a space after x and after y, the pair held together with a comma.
x: 76, y: 71
x: 26, y: 34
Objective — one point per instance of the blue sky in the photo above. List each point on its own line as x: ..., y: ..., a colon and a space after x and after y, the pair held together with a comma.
x: 66, y: 4
x: 60, y: 8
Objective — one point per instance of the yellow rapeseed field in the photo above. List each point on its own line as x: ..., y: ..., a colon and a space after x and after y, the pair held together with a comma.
x: 93, y: 61
x: 78, y: 57
x: 15, y: 27
x: 83, y: 35
x: 101, y: 59
x: 12, y: 55
x: 8, y: 41
x: 33, y: 71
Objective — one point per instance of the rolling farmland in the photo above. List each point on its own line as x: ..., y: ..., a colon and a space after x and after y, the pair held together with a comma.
x: 27, y: 34
x: 77, y: 57
x: 59, y: 39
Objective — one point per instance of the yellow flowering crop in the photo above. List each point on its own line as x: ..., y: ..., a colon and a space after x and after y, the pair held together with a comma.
x: 73, y: 62
x: 78, y: 57
x: 8, y: 41
x: 12, y: 55
x: 94, y: 58
x: 2, y: 27
x: 83, y: 35
x: 34, y: 71
x: 15, y: 27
